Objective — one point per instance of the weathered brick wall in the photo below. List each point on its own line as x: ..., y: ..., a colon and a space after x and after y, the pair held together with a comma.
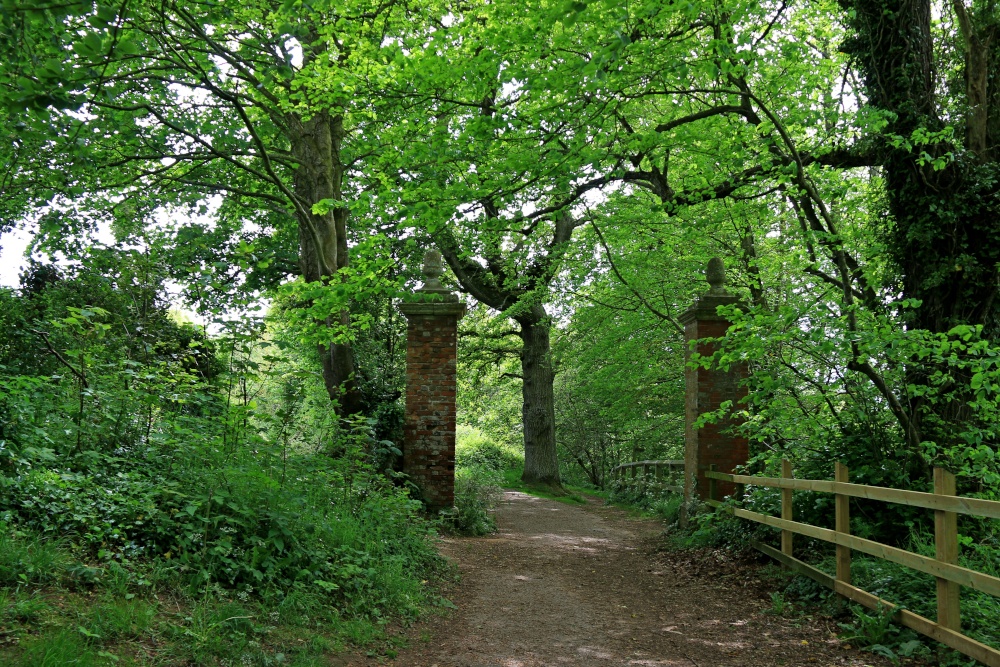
x: 705, y: 391
x: 429, y: 429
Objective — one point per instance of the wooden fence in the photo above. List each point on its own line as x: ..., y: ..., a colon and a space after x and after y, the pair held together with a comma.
x: 944, y: 566
x: 663, y: 477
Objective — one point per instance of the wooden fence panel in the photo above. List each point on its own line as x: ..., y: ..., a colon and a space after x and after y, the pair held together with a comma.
x: 946, y: 551
x: 787, y: 536
x: 842, y: 523
x: 944, y: 566
x: 988, y: 509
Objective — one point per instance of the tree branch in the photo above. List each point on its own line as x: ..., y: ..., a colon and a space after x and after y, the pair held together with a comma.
x: 652, y: 309
x: 79, y: 374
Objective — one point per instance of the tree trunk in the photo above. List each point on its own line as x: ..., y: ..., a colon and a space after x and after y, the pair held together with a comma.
x: 943, y: 234
x: 945, y: 239
x: 541, y: 465
x: 323, y: 240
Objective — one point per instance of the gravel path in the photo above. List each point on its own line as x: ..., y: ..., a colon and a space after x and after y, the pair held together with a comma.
x: 585, y: 586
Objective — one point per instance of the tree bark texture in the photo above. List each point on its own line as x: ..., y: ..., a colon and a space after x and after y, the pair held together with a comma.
x: 943, y: 228
x: 541, y: 463
x: 944, y: 234
x: 492, y: 285
x: 316, y: 145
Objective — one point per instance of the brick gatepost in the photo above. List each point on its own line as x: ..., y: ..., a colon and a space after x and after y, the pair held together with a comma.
x: 705, y: 390
x: 429, y: 429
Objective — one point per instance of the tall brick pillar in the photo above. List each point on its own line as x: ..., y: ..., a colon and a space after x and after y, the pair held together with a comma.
x: 429, y: 429
x: 705, y: 390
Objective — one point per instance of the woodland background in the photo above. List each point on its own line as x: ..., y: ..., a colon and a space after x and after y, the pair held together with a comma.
x: 278, y: 168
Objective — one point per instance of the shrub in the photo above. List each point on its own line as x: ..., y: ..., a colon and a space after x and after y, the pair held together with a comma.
x: 479, y: 466
x: 237, y: 520
x: 474, y: 449
x: 477, y: 491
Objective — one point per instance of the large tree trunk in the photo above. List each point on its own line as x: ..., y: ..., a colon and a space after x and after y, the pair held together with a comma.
x: 945, y: 237
x: 943, y: 229
x: 541, y: 465
x: 323, y: 240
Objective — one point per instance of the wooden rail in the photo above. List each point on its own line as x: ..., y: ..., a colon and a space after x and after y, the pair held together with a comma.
x: 620, y: 473
x: 950, y: 576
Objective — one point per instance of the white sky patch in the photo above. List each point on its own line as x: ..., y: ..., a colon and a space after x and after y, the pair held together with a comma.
x: 294, y: 49
x: 13, y: 245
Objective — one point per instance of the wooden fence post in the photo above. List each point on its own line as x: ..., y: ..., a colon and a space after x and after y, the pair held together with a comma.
x: 842, y: 523
x: 711, y: 483
x: 786, y: 508
x: 946, y: 551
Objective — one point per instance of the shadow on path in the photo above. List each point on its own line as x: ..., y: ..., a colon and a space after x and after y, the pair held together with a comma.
x: 582, y: 585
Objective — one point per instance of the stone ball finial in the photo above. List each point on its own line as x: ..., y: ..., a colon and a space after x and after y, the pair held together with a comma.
x: 432, y: 269
x: 716, y: 276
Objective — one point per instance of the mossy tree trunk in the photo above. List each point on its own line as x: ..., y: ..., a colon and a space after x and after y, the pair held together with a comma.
x: 944, y: 231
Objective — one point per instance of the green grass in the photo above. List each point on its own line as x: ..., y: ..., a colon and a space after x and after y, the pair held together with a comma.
x: 50, y: 616
x: 58, y: 627
x: 28, y: 608
x: 571, y: 495
x: 63, y: 647
x: 28, y: 559
x: 116, y: 619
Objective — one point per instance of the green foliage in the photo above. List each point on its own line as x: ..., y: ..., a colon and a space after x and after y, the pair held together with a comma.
x: 242, y: 519
x: 708, y: 528
x: 142, y: 456
x: 646, y: 492
x: 778, y: 603
x: 68, y: 647
x: 474, y: 449
x: 477, y: 492
x: 116, y: 619
x: 489, y: 393
x: 620, y: 386
x: 916, y: 591
x: 479, y: 466
x: 872, y: 630
x: 584, y: 164
x: 26, y: 558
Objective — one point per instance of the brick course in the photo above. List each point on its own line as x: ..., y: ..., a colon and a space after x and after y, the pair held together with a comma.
x: 429, y: 428
x: 705, y: 391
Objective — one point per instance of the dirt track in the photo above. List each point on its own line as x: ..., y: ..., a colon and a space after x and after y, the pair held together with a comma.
x: 585, y: 586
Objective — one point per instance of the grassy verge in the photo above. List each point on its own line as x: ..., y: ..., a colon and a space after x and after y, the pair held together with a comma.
x: 239, y: 570
x: 56, y: 610
x: 53, y: 626
x: 569, y: 494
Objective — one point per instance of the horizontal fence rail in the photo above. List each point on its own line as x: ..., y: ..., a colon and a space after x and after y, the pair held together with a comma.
x: 944, y: 566
x: 638, y: 473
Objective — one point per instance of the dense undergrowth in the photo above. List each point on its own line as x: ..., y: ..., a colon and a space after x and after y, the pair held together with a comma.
x: 480, y: 464
x: 170, y: 497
